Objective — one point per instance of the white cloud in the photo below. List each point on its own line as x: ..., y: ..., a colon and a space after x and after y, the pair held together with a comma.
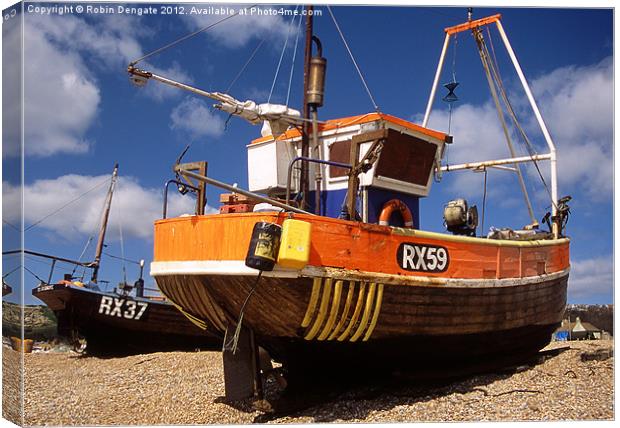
x: 61, y: 100
x: 478, y: 136
x: 577, y: 106
x: 238, y: 30
x: 591, y: 277
x: 62, y: 96
x: 134, y: 207
x: 159, y: 91
x: 110, y: 40
x: 195, y: 117
x: 11, y: 123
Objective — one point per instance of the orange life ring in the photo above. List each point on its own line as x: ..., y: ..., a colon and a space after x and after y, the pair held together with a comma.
x: 389, y: 207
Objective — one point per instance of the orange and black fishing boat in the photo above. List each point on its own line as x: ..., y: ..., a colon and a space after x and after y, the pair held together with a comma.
x: 333, y: 270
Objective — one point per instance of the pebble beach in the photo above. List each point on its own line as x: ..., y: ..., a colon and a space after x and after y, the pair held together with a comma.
x: 177, y: 388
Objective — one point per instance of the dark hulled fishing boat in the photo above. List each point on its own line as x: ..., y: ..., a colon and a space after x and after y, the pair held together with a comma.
x: 120, y: 322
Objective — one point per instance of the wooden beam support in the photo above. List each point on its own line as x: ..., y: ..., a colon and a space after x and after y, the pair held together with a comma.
x: 200, y: 168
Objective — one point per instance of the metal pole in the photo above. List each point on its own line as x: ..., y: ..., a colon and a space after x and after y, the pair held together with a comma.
x: 304, y: 184
x: 318, y: 176
x: 429, y: 106
x: 47, y: 256
x: 104, y: 225
x: 490, y: 163
x: 541, y: 122
x: 301, y: 158
x: 49, y: 279
x: 241, y: 191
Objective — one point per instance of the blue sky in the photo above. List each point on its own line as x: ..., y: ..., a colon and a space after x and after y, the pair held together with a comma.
x: 83, y: 115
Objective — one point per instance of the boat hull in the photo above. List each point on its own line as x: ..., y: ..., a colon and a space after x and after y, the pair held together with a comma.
x: 425, y: 325
x: 114, y: 324
x: 368, y: 295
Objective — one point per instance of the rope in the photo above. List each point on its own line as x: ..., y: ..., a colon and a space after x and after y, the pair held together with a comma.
x: 245, y: 66
x: 232, y: 344
x: 290, y: 77
x: 174, y: 43
x: 288, y: 33
x: 65, y: 205
x: 372, y: 99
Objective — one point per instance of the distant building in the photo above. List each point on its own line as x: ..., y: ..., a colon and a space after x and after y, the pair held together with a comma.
x: 578, y: 330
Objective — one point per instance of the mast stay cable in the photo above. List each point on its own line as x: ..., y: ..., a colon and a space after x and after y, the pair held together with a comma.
x: 290, y: 77
x: 288, y: 33
x: 90, y: 238
x: 487, y: 66
x: 187, y: 36
x: 528, y: 145
x: 245, y: 65
x: 359, y: 72
x: 120, y: 233
x: 66, y: 205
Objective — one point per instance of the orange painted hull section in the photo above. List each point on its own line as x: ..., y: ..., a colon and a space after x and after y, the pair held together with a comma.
x: 358, y: 247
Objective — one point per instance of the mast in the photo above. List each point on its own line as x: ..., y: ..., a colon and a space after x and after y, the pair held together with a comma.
x: 304, y: 185
x: 104, y: 224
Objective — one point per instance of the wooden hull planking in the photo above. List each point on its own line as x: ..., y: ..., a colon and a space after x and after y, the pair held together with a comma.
x: 359, y: 293
x: 288, y: 317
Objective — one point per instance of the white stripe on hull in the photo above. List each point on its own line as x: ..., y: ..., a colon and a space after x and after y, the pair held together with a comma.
x: 238, y: 268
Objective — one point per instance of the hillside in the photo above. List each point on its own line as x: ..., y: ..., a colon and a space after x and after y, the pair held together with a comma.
x: 39, y: 321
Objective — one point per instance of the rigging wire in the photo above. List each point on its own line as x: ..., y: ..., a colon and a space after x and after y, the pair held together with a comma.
x: 13, y: 270
x: 288, y: 33
x: 11, y: 225
x: 90, y: 238
x: 58, y: 265
x: 34, y: 274
x: 121, y: 258
x: 502, y: 90
x: 290, y: 77
x: 66, y: 205
x: 120, y: 233
x: 372, y: 99
x: 487, y: 65
x: 245, y: 66
x: 187, y: 36
x: 453, y: 80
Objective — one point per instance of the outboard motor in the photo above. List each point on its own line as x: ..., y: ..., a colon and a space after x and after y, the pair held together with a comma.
x: 459, y: 219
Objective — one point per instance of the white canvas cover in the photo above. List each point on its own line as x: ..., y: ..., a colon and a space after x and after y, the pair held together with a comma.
x: 278, y: 118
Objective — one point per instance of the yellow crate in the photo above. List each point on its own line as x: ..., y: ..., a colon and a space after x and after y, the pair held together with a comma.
x: 295, y: 244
